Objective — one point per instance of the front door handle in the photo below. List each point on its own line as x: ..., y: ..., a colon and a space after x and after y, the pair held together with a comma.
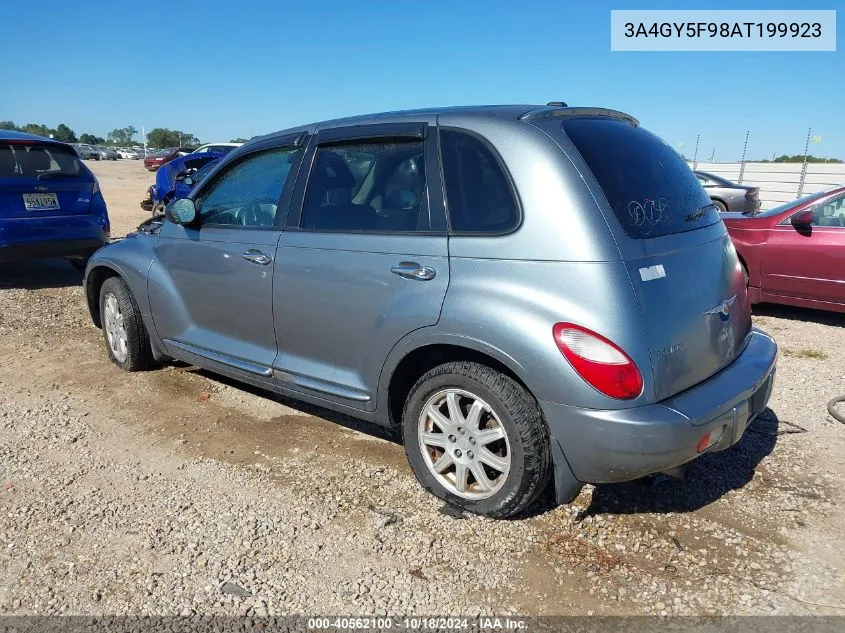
x: 412, y: 270
x: 257, y: 257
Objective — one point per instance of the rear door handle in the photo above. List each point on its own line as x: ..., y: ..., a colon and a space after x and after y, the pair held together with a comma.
x: 412, y: 270
x: 257, y: 257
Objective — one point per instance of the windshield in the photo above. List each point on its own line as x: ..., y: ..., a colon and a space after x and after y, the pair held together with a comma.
x: 717, y: 179
x: 36, y: 160
x: 648, y: 185
x: 793, y: 203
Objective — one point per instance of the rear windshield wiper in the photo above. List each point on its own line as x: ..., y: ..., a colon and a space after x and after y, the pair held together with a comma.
x: 55, y: 174
x: 699, y: 212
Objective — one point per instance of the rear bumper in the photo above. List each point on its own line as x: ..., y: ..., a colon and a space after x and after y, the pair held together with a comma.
x: 744, y: 205
x: 605, y: 446
x: 58, y: 248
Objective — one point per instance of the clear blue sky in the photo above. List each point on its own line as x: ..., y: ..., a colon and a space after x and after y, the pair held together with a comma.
x: 247, y: 67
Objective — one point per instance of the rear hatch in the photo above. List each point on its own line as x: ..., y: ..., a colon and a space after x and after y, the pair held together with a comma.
x: 683, y: 267
x: 42, y: 180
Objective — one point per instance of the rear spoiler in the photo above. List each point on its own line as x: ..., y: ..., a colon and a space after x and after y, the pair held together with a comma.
x: 551, y: 111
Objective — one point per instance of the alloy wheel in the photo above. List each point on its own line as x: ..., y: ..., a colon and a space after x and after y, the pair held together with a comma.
x: 464, y: 444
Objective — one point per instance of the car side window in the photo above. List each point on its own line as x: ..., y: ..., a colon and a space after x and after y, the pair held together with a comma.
x: 376, y: 186
x: 830, y: 213
x: 247, y: 192
x: 479, y: 197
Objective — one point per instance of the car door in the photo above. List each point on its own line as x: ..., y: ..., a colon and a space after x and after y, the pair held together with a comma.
x: 808, y: 263
x: 364, y: 260
x: 211, y: 290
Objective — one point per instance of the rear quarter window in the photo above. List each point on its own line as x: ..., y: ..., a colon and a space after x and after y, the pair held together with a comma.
x: 479, y: 196
x: 648, y: 185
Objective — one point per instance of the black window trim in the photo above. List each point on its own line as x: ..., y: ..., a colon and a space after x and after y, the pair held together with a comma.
x: 296, y: 141
x: 520, y: 216
x: 376, y: 132
x: 372, y: 131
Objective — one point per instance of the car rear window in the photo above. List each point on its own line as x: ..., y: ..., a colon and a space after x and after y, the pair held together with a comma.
x: 649, y: 186
x: 38, y: 160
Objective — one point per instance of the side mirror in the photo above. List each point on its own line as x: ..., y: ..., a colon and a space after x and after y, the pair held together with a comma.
x: 181, y: 211
x: 803, y: 219
x: 188, y: 180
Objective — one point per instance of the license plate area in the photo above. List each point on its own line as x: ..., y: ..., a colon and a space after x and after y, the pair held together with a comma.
x: 40, y: 201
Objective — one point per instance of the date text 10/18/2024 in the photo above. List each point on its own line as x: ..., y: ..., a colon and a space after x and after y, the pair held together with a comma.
x: 382, y: 623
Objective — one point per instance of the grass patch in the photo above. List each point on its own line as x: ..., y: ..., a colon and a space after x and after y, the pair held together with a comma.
x: 815, y: 354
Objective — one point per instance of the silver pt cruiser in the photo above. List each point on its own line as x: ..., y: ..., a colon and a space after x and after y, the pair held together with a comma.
x: 526, y: 294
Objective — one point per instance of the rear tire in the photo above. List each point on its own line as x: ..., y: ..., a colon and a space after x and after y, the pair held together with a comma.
x: 477, y: 439
x: 720, y: 206
x: 126, y: 337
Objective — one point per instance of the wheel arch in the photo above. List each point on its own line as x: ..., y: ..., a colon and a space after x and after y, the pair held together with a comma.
x: 94, y: 281
x: 416, y: 354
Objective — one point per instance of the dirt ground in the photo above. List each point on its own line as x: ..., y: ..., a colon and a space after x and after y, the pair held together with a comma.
x: 176, y: 491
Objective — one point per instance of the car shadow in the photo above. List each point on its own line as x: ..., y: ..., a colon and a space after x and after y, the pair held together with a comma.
x: 704, y: 481
x: 341, y: 419
x: 822, y: 317
x: 39, y: 274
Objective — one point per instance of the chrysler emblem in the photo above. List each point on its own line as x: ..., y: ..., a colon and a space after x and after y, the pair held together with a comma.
x: 723, y: 309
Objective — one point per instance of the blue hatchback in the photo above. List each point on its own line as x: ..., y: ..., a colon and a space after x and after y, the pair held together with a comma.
x: 50, y: 202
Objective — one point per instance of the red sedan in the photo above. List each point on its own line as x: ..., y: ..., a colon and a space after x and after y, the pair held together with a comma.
x: 165, y: 156
x: 795, y: 253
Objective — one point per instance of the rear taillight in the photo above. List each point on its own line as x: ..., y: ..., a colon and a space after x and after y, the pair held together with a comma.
x: 96, y: 188
x: 600, y: 362
x: 752, y: 194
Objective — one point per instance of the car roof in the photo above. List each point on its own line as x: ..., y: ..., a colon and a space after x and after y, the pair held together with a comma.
x: 508, y: 111
x: 12, y: 135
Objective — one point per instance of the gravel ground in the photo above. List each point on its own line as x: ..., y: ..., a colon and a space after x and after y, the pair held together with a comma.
x: 178, y: 492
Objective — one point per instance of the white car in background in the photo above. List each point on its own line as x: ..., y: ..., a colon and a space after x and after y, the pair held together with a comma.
x: 124, y: 152
x: 218, y: 148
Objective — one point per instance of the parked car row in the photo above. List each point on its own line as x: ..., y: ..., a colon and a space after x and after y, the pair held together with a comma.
x: 154, y: 161
x: 102, y: 152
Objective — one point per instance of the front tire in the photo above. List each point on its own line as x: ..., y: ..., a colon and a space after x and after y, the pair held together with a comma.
x: 477, y: 439
x: 126, y: 337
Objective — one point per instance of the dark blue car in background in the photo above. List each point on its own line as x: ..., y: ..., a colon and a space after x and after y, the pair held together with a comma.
x: 50, y: 202
x: 176, y: 179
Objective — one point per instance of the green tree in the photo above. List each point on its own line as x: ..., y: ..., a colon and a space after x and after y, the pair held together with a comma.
x: 65, y: 134
x: 123, y: 135
x: 90, y: 139
x: 9, y: 125
x: 164, y: 137
x: 799, y: 158
x: 38, y: 128
x: 240, y: 139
